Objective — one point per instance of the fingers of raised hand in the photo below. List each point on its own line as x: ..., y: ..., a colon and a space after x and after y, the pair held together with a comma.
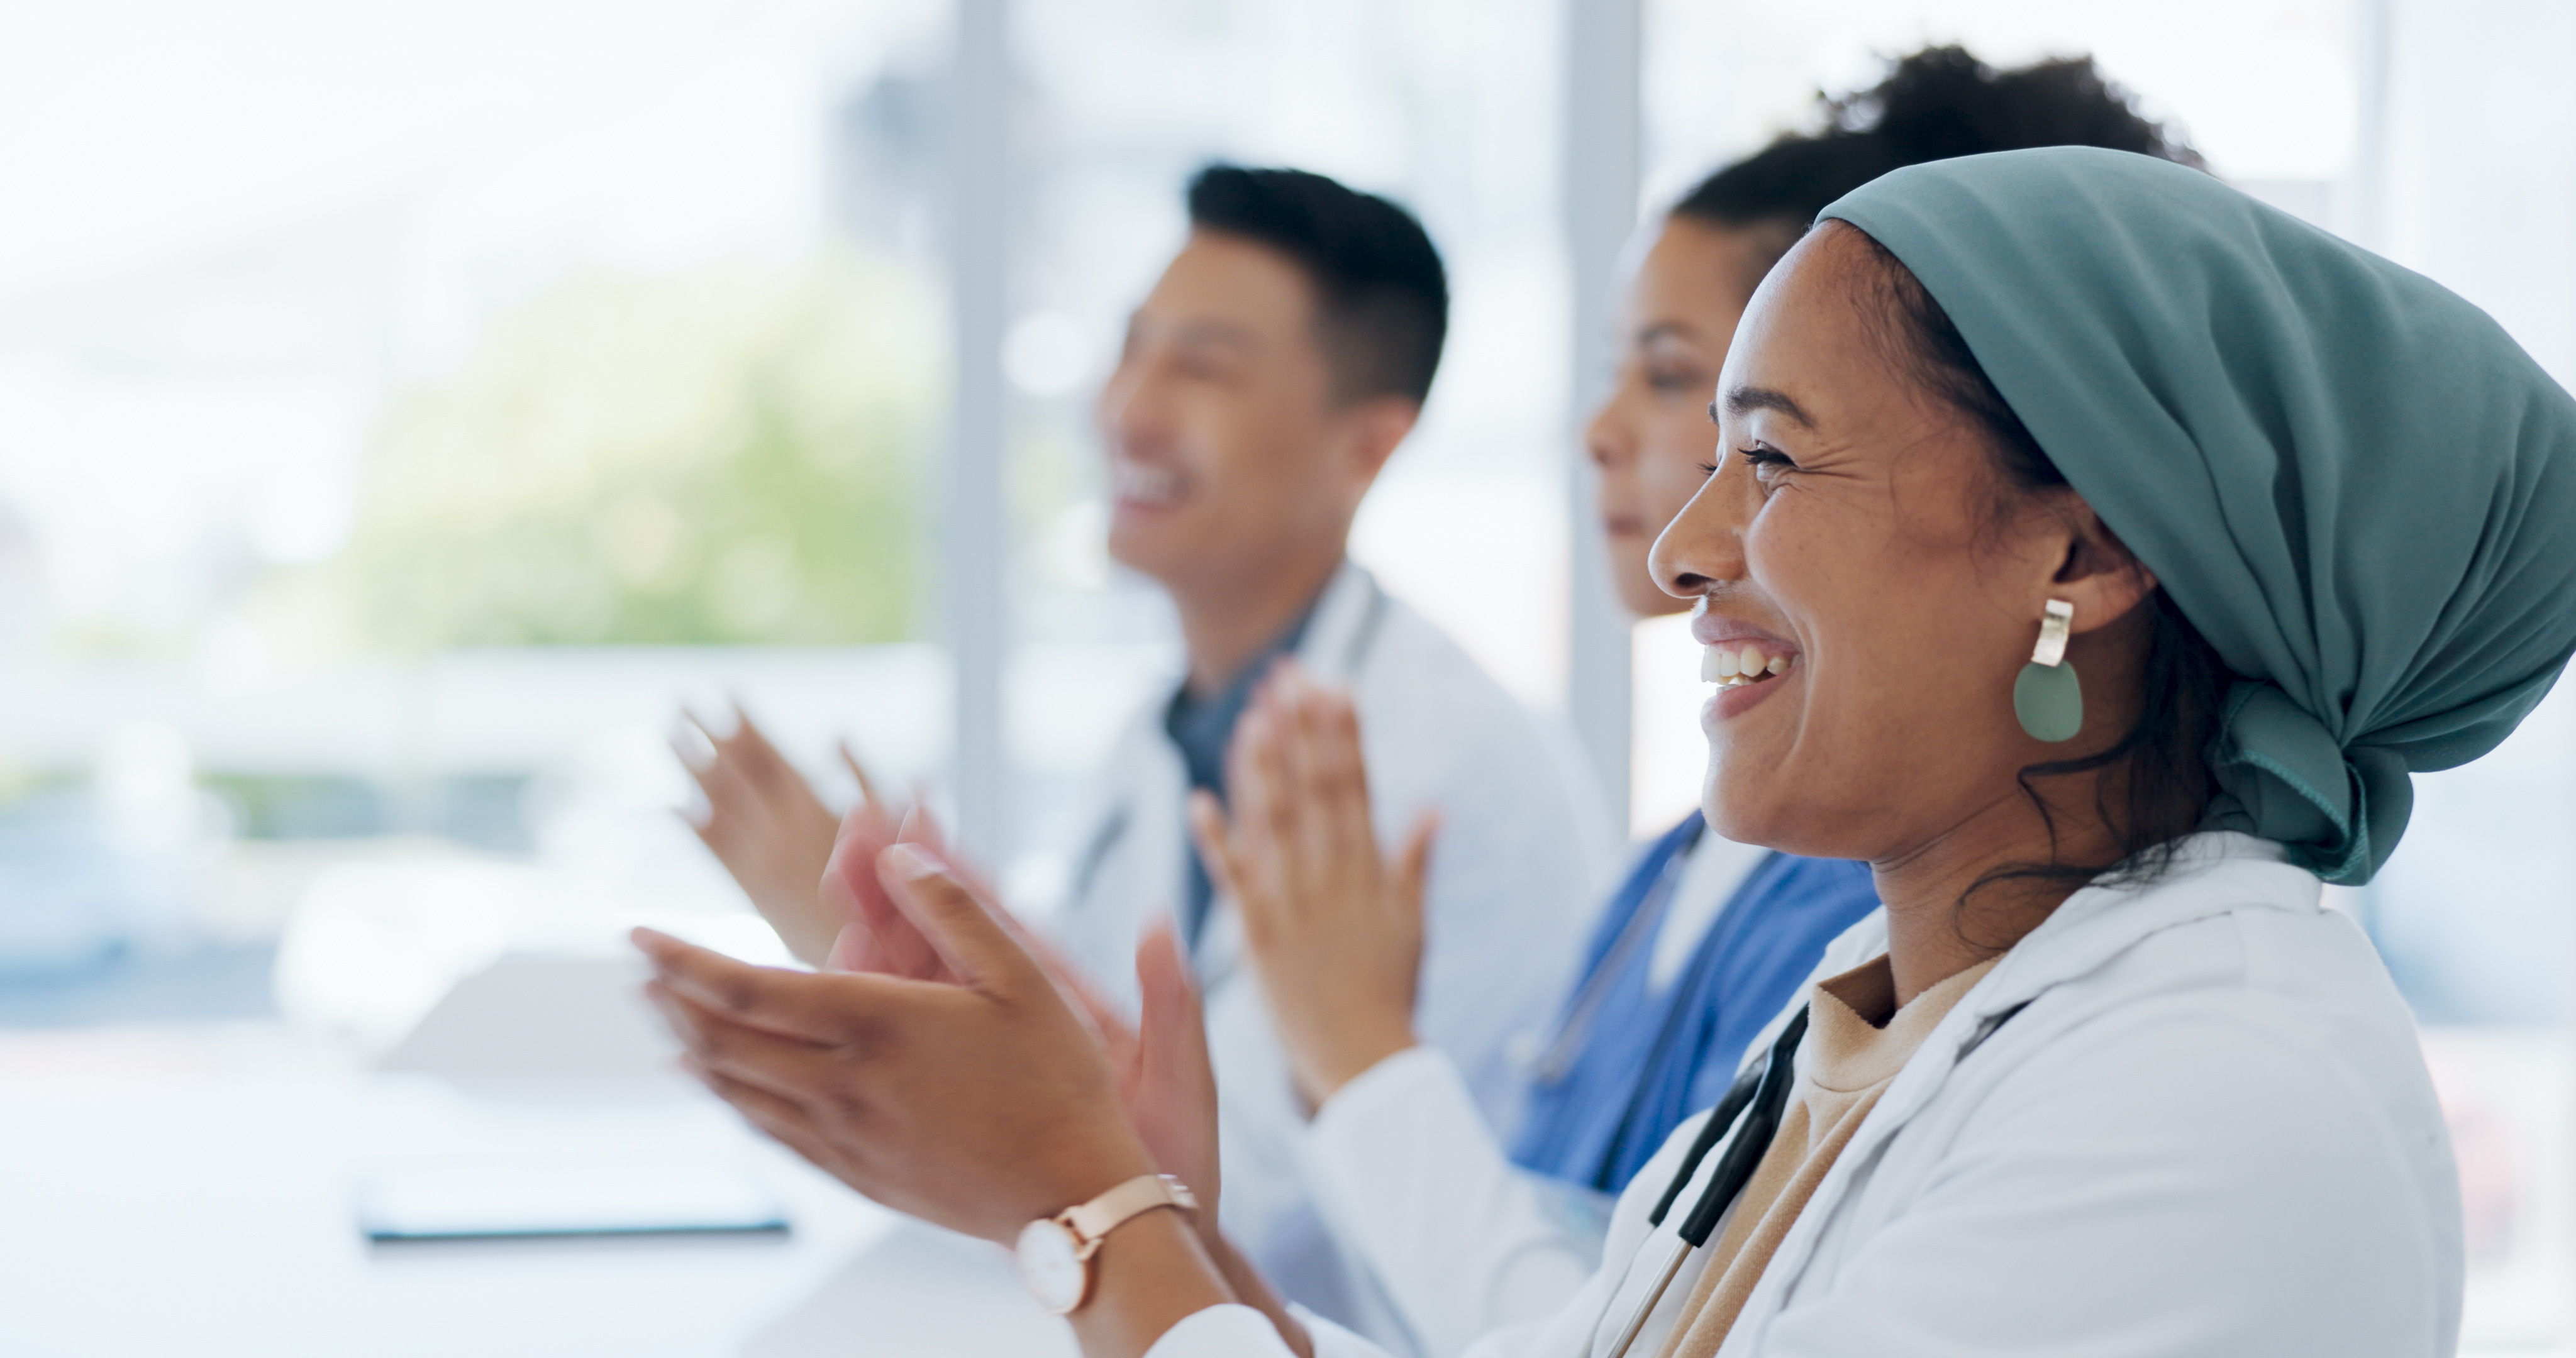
x: 1412, y: 867
x: 1171, y: 1005
x: 1328, y: 731
x: 1244, y: 869
x: 1337, y: 734
x: 781, y: 1118
x: 704, y: 742
x: 921, y: 826
x: 1245, y: 793
x: 751, y: 792
x: 1312, y: 711
x: 1271, y: 805
x: 791, y: 1069
x: 960, y: 925
x: 853, y: 892
x: 759, y: 761
x: 816, y: 1009
x: 820, y: 1134
x: 1217, y: 849
x: 1316, y: 782
x: 1335, y: 829
x: 1173, y: 1095
x: 691, y: 741
x: 718, y: 781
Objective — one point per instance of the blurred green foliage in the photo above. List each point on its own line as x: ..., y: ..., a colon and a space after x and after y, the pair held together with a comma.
x: 725, y: 458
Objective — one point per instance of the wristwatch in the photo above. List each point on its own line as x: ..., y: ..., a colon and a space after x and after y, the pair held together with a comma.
x: 1055, y: 1252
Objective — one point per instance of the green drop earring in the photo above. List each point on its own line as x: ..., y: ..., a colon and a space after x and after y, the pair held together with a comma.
x: 2047, y: 697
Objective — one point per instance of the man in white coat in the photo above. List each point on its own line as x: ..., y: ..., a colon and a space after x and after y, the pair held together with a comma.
x: 1266, y: 379
x: 1275, y: 366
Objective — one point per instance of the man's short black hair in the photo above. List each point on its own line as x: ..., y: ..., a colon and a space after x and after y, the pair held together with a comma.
x: 1382, y: 299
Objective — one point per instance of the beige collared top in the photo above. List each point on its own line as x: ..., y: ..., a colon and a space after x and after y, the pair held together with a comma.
x: 1857, y: 1040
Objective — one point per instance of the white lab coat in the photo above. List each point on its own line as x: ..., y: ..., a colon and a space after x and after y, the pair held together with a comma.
x: 2186, y: 1119
x: 1513, y: 874
x: 1417, y: 1183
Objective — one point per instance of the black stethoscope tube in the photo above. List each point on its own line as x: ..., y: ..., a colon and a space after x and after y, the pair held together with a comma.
x: 1761, y: 1101
x: 1744, y: 1153
x: 1768, y: 1092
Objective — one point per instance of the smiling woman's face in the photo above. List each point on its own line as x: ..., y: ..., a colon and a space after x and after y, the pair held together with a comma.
x: 1850, y: 538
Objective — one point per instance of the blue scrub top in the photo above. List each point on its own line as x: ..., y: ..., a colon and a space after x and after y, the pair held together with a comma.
x: 1629, y: 1066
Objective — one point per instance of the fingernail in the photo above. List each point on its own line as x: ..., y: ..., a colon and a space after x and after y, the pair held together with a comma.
x: 691, y: 747
x: 655, y: 944
x: 912, y: 862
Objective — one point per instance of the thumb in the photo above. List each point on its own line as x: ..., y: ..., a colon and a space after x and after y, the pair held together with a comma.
x: 920, y: 826
x: 959, y: 925
x: 1225, y: 872
x: 854, y: 891
x: 1173, y: 1100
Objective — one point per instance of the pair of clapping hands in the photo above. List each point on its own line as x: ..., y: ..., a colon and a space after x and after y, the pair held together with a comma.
x: 948, y: 1064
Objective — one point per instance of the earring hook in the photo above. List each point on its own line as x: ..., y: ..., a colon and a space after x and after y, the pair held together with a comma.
x: 2054, y: 628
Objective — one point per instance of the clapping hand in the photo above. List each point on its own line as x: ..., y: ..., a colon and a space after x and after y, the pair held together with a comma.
x: 979, y: 1095
x: 980, y: 1102
x: 1161, y: 1063
x: 1333, y: 924
x: 764, y: 823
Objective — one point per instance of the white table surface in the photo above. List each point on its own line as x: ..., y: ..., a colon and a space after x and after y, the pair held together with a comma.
x: 190, y: 1192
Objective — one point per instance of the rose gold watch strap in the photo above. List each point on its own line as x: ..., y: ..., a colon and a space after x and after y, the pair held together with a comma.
x: 1098, y: 1217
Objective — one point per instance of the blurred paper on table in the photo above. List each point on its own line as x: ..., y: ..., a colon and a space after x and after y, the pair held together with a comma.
x: 530, y: 1025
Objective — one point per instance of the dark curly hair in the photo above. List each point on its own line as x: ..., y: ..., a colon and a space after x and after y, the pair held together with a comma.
x: 1934, y: 104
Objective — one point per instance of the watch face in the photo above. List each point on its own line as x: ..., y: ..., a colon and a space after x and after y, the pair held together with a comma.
x: 1051, y: 1268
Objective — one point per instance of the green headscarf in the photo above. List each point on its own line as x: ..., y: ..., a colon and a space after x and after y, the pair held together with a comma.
x: 2349, y: 479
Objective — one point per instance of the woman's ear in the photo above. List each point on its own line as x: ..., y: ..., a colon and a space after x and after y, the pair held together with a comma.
x: 2097, y: 572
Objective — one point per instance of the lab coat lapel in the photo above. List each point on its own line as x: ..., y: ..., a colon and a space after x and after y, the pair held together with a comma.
x: 2093, y: 927
x: 1347, y: 618
x: 1335, y: 649
x: 1134, y: 865
x: 1129, y: 869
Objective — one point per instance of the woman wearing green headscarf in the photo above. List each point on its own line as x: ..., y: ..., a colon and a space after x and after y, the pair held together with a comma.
x: 2113, y: 548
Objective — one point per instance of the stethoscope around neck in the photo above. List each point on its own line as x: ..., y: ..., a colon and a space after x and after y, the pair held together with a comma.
x: 1759, y: 1100
x: 1575, y: 1033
